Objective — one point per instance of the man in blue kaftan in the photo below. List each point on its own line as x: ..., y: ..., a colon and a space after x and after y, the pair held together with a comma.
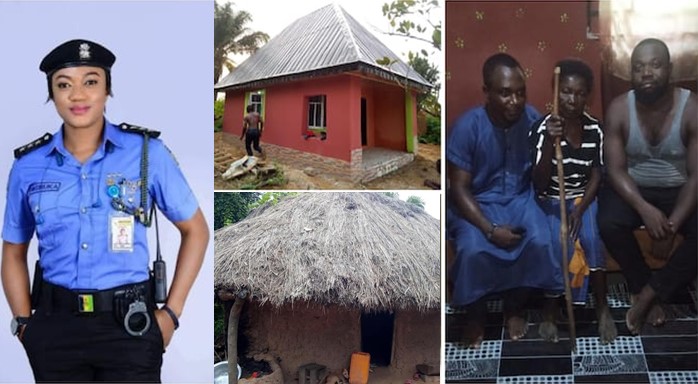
x: 501, y: 237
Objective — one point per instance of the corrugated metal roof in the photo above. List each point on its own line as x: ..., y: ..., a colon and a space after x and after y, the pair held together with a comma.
x: 327, y: 38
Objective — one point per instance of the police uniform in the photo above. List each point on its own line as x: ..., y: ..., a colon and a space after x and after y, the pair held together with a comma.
x: 92, y: 247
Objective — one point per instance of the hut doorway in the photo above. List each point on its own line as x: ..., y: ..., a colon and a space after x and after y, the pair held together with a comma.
x: 377, y: 336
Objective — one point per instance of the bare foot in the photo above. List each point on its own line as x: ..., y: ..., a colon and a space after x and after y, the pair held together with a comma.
x: 635, y: 317
x: 474, y: 333
x: 655, y: 316
x: 607, y: 328
x: 642, y: 303
x: 517, y: 327
x: 548, y: 328
x: 548, y: 331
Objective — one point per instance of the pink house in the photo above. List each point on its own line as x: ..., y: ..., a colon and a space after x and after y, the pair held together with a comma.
x: 325, y: 100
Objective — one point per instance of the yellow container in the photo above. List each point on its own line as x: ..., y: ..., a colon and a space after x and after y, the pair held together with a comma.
x: 358, y: 370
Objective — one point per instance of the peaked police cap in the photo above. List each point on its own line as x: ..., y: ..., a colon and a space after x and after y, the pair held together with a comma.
x: 76, y: 53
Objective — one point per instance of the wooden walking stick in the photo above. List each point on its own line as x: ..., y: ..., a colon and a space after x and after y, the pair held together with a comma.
x: 563, y: 218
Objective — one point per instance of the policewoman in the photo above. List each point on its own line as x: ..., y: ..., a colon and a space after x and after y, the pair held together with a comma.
x: 88, y: 191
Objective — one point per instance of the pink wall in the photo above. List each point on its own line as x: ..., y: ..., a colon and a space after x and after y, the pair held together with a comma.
x: 389, y: 117
x: 286, y: 115
x: 233, y: 112
x: 385, y: 105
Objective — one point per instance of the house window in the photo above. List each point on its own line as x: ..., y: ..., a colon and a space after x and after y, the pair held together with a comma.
x: 317, y: 113
x: 256, y: 99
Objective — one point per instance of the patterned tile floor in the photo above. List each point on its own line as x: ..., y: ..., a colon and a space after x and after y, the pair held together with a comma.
x: 667, y: 354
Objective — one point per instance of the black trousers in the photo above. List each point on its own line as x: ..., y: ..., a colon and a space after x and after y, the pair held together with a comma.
x: 68, y: 347
x: 617, y: 220
x: 252, y: 139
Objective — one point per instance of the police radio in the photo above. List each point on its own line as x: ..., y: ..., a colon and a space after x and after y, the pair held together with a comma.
x: 159, y: 272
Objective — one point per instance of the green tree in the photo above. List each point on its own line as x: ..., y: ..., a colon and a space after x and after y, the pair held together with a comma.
x: 394, y: 195
x: 270, y: 198
x: 231, y: 36
x: 219, y: 331
x: 415, y: 19
x: 433, y: 132
x: 420, y: 20
x: 228, y: 208
x: 427, y: 102
x: 218, y: 109
x: 231, y: 207
x: 416, y: 200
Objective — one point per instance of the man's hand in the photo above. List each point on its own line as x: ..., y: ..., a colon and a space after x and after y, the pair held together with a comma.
x: 503, y: 237
x: 166, y: 326
x: 656, y: 223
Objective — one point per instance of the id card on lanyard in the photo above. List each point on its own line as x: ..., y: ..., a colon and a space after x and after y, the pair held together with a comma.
x: 121, y: 228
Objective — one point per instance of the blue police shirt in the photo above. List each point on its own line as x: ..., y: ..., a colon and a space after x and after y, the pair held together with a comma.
x: 68, y: 205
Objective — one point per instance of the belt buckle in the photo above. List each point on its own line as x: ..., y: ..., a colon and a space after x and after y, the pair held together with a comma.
x: 86, y: 303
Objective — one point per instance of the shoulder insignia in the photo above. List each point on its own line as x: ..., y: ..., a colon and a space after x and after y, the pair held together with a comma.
x: 26, y: 148
x: 126, y: 127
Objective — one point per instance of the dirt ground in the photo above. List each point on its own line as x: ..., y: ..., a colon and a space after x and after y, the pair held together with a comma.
x: 411, y: 176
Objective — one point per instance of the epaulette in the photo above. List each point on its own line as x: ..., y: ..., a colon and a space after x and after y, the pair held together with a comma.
x: 26, y: 148
x: 126, y: 127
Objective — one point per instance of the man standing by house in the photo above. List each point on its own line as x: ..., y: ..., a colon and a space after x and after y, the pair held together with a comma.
x: 651, y: 154
x: 501, y: 239
x: 252, y: 127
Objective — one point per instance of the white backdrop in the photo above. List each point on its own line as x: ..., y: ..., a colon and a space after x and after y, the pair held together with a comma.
x: 162, y: 79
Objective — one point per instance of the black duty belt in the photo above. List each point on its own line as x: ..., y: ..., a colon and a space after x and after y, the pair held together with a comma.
x: 55, y: 298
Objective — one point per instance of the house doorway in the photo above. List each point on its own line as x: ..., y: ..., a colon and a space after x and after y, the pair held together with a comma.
x: 377, y: 336
x: 364, y: 141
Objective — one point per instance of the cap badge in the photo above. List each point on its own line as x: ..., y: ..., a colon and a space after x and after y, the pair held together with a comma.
x: 84, y: 51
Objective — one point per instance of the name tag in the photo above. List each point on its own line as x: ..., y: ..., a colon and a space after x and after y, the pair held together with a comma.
x: 45, y: 186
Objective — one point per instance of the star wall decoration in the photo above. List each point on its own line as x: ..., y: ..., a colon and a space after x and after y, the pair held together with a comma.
x: 542, y: 45
x: 528, y: 72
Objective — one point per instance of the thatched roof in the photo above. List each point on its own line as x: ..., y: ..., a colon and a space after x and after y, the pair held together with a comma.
x: 358, y: 249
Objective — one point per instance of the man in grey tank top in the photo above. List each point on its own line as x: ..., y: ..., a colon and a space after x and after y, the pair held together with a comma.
x: 651, y: 154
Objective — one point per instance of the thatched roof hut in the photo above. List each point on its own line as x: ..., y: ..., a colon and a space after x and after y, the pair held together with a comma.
x: 331, y: 273
x: 366, y: 250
